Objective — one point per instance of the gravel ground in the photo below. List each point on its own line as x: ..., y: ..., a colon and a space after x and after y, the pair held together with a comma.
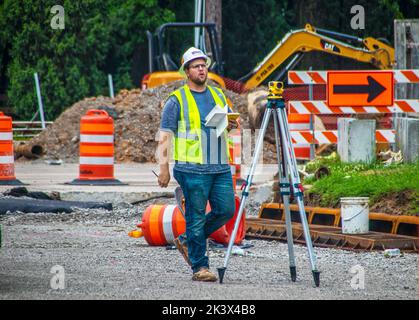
x: 100, y: 261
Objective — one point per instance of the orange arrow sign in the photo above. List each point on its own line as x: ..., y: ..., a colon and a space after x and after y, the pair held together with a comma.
x: 360, y: 88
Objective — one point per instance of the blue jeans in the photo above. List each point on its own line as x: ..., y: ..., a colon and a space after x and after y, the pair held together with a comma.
x: 197, y: 190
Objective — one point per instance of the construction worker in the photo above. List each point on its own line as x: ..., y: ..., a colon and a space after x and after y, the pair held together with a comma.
x: 201, y: 160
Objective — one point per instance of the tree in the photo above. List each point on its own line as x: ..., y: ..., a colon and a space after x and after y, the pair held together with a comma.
x: 3, y: 54
x: 213, y: 13
x: 99, y: 37
x: 130, y: 19
x: 250, y: 30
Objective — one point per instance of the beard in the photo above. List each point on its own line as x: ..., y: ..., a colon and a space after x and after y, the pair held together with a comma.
x: 199, y: 81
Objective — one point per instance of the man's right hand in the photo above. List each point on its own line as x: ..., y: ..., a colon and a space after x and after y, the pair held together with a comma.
x: 164, y: 178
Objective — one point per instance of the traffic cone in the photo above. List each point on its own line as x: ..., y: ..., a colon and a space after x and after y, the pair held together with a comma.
x: 7, y: 160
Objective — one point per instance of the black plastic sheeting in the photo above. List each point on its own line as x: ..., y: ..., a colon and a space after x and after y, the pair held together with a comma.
x: 53, y: 206
x: 23, y: 192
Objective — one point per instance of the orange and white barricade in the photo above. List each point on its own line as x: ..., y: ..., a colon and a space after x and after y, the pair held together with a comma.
x: 321, y: 107
x: 96, y: 161
x: 7, y: 160
x: 320, y: 77
x: 331, y: 136
x: 300, y: 122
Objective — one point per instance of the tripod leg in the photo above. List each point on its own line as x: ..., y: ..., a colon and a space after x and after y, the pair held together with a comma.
x: 245, y: 193
x: 297, y: 188
x: 284, y: 186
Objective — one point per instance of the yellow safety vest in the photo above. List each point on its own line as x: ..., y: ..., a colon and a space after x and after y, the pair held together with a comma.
x: 188, y: 142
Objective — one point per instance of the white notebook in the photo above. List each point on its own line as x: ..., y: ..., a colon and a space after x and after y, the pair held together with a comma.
x: 217, y: 118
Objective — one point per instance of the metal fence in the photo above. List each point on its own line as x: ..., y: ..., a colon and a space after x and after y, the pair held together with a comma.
x: 27, y: 129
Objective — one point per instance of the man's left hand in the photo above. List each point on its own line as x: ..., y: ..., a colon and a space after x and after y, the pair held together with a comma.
x: 232, y: 124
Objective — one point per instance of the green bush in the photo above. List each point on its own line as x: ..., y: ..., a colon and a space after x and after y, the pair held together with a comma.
x: 99, y: 37
x: 251, y: 29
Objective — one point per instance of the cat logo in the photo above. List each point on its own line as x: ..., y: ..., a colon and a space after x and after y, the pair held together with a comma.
x: 329, y: 46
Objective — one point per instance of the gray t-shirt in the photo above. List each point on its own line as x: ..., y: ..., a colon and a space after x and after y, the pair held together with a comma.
x: 214, y: 153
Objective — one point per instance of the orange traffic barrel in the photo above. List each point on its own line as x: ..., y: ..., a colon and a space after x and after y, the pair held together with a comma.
x: 7, y: 160
x: 300, y: 122
x: 161, y: 224
x: 223, y: 235
x: 233, y: 168
x: 235, y: 154
x: 96, y: 162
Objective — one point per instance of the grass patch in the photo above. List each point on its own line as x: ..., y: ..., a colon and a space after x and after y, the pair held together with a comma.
x: 375, y: 181
x: 16, y: 138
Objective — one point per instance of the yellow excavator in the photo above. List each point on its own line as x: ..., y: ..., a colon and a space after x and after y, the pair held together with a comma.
x: 293, y: 46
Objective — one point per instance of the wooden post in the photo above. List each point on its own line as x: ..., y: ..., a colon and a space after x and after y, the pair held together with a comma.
x: 213, y: 13
x: 406, y: 42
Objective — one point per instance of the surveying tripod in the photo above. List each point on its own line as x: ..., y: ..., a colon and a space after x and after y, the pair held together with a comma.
x: 289, y: 176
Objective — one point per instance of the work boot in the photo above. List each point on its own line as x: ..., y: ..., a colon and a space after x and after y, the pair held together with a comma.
x: 204, y: 275
x: 183, y: 249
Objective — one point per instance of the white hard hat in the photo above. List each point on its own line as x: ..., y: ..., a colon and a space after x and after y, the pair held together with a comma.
x: 192, y: 54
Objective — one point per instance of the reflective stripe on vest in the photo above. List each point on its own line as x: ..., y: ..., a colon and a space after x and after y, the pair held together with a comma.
x: 188, y: 142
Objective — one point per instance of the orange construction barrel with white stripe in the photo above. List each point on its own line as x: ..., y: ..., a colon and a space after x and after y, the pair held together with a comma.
x: 7, y: 160
x: 300, y: 122
x: 96, y: 162
x: 232, y: 166
x: 161, y: 224
x: 235, y: 154
x: 223, y: 234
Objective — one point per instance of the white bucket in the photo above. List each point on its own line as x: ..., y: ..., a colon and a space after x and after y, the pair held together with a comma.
x: 355, y: 215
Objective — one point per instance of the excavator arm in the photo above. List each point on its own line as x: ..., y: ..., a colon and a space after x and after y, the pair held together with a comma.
x: 298, y: 42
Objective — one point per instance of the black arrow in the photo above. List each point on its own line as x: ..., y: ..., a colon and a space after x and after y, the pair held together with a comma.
x: 373, y: 88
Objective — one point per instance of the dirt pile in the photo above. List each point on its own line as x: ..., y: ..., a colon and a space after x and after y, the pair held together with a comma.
x: 136, y: 116
x: 60, y: 140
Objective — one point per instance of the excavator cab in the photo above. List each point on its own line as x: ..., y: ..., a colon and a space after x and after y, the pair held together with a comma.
x: 163, y: 66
